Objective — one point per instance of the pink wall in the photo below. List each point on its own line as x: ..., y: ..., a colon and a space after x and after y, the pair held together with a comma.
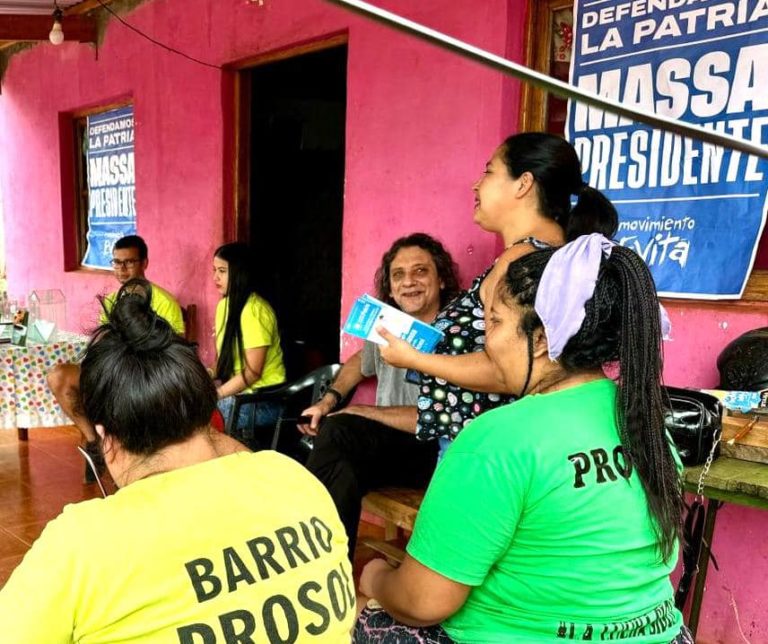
x: 735, y: 595
x: 436, y: 144
x: 699, y: 333
x: 421, y: 123
x: 416, y: 141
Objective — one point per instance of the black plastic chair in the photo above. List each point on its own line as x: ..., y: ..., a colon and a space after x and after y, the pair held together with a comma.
x: 294, y: 396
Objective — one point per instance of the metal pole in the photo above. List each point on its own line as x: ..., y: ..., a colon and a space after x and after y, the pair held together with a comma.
x: 550, y: 84
x: 702, y: 565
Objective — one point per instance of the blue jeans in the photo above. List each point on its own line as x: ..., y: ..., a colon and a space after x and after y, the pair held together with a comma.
x: 444, y: 443
x: 256, y: 421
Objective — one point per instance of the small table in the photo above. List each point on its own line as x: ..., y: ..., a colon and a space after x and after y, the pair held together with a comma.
x: 25, y: 399
x: 729, y: 480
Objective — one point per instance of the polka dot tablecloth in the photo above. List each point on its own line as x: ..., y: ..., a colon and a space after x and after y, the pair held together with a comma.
x: 25, y: 400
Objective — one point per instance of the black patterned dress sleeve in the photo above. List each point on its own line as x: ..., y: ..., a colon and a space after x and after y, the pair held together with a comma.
x: 444, y: 409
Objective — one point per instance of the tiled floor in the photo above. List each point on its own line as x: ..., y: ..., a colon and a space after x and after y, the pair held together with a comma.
x: 39, y: 477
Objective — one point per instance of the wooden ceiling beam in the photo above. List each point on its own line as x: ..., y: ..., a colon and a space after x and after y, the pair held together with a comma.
x: 37, y: 27
x: 85, y: 6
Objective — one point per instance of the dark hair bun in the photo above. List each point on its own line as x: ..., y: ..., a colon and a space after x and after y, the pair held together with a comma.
x: 134, y: 320
x: 141, y: 381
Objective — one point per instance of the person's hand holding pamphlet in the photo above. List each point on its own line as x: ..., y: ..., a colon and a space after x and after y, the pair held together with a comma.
x: 368, y: 313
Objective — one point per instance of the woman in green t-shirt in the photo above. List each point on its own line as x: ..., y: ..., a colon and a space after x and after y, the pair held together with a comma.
x: 556, y: 516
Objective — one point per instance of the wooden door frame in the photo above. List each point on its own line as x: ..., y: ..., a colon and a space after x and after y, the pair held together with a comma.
x: 538, y: 56
x: 237, y: 92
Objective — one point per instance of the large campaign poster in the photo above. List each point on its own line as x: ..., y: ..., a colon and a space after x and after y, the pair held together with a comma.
x: 694, y: 211
x: 111, y: 183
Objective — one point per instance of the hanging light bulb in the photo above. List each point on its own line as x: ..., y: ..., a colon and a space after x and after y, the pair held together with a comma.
x: 57, y: 33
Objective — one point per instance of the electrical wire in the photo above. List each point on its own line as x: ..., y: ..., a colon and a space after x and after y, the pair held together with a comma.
x: 157, y: 42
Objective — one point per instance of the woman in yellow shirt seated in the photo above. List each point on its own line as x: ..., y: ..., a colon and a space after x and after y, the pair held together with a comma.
x: 179, y: 553
x: 247, y: 343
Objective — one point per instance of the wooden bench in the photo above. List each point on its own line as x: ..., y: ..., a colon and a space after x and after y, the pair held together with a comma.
x: 397, y: 507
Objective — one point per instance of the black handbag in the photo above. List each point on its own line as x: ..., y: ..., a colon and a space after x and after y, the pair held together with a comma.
x: 694, y: 421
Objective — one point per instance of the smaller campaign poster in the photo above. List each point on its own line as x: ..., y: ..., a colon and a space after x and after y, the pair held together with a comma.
x: 111, y: 183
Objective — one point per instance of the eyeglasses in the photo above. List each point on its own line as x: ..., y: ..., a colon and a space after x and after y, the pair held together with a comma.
x: 124, y: 263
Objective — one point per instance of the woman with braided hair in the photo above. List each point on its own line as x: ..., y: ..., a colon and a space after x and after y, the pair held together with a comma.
x: 556, y: 516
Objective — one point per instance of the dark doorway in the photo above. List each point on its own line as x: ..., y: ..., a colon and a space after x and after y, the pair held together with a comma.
x: 298, y: 120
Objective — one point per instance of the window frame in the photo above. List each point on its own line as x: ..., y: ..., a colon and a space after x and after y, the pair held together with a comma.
x: 74, y: 189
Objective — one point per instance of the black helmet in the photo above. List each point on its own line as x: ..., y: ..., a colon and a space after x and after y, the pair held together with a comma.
x: 743, y: 364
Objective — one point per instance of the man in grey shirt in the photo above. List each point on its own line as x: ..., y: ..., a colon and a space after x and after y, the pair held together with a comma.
x: 367, y: 446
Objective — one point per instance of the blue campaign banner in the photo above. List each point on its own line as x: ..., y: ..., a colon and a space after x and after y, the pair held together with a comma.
x: 694, y: 211
x: 111, y: 183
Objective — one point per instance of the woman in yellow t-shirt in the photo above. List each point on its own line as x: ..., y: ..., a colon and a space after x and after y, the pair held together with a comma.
x: 247, y: 342
x: 179, y: 553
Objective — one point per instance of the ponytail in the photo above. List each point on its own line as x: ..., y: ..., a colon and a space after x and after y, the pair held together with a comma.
x: 555, y: 166
x: 593, y: 213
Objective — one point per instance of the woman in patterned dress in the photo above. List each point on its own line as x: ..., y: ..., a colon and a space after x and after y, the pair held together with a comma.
x: 524, y: 196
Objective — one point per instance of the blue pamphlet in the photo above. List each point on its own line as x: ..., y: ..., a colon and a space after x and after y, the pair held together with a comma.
x: 368, y: 313
x: 742, y: 401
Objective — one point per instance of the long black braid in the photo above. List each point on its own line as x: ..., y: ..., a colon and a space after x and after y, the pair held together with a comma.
x: 621, y: 325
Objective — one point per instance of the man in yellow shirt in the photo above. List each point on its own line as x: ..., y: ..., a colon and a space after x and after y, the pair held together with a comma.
x: 129, y: 260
